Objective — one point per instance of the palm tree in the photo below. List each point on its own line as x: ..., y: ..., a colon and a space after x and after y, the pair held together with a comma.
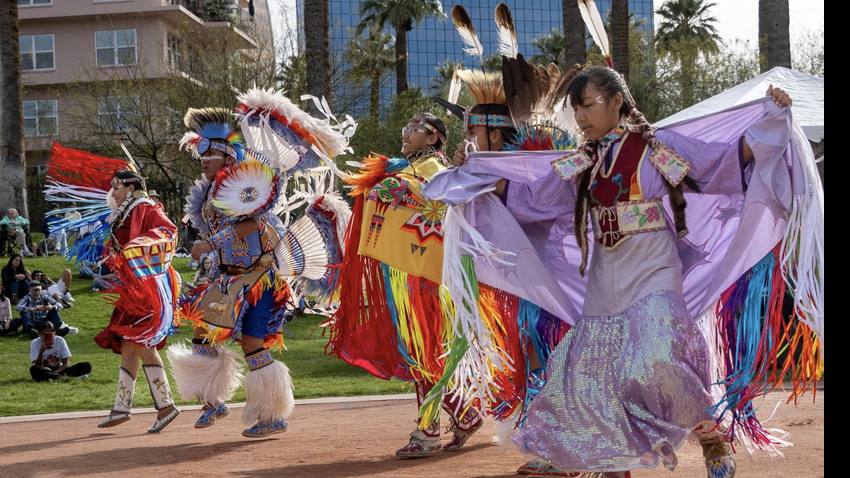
x: 14, y: 194
x: 619, y: 22
x: 445, y: 72
x: 493, y: 63
x: 370, y: 59
x: 685, y: 31
x: 774, y: 38
x: 550, y: 48
x: 575, y: 45
x: 317, y: 50
x: 402, y: 15
x: 684, y: 20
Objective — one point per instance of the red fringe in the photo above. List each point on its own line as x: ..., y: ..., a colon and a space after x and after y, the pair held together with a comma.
x: 361, y: 331
x: 64, y: 166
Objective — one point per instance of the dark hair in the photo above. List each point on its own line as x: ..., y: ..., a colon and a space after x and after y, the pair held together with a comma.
x: 609, y: 82
x: 54, y: 206
x: 46, y: 325
x: 438, y: 124
x: 20, y: 269
x: 139, y: 182
x: 33, y: 273
x: 2, y: 293
x: 508, y: 133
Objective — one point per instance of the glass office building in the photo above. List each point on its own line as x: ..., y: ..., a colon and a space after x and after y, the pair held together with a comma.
x: 435, y: 40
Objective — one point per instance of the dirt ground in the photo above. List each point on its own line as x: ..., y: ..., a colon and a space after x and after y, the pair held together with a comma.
x: 354, y: 439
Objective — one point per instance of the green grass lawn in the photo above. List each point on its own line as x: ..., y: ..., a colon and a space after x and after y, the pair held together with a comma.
x: 313, y: 373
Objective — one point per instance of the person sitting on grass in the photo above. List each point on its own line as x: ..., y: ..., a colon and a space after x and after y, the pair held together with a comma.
x: 202, y: 276
x: 58, y: 290
x: 16, y: 278
x: 104, y: 278
x: 8, y: 325
x: 37, y: 308
x: 50, y: 357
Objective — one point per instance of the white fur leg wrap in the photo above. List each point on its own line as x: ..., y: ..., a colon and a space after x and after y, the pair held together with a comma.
x: 268, y: 392
x: 209, y: 377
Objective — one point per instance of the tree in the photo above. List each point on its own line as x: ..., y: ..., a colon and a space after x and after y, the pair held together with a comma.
x: 550, y: 48
x: 686, y: 31
x: 402, y: 15
x: 445, y: 72
x: 317, y: 49
x: 808, y: 53
x: 370, y: 59
x: 575, y: 45
x: 12, y: 173
x: 619, y: 22
x: 145, y: 109
x: 293, y: 77
x: 774, y: 37
x: 493, y: 63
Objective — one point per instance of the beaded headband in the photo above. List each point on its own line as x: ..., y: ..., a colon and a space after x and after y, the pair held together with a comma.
x: 430, y: 128
x: 206, y: 144
x: 489, y: 121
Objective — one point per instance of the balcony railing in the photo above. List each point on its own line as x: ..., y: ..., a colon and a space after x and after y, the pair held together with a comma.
x: 219, y: 11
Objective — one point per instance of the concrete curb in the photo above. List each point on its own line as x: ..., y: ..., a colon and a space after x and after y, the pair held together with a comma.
x: 183, y: 408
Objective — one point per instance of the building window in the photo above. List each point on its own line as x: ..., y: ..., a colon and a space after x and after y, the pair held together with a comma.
x: 29, y: 3
x: 36, y: 52
x: 115, y: 47
x: 175, y: 52
x: 113, y: 112
x: 40, y: 118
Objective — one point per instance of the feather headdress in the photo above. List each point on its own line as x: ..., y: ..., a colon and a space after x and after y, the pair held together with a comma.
x: 463, y: 24
x: 593, y: 20
x: 288, y: 136
x: 508, y: 45
x: 213, y: 128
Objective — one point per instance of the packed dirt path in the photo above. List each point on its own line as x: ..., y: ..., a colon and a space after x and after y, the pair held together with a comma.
x: 355, y: 439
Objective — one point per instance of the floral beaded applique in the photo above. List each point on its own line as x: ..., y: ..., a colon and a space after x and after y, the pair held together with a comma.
x: 572, y: 164
x: 672, y: 166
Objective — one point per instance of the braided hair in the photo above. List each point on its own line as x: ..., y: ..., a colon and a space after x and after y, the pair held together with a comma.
x: 609, y: 82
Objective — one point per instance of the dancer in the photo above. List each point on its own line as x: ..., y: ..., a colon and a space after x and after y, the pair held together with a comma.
x: 140, y: 245
x: 253, y: 253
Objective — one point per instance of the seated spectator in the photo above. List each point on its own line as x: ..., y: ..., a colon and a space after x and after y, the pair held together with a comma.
x: 16, y: 228
x: 104, y: 278
x: 72, y: 216
x: 50, y: 357
x: 16, y: 278
x: 202, y: 276
x: 8, y: 325
x: 154, y: 196
x: 59, y: 291
x: 55, y: 239
x: 37, y: 308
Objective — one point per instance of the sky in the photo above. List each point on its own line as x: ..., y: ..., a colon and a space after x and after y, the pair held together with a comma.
x: 739, y: 18
x: 736, y: 19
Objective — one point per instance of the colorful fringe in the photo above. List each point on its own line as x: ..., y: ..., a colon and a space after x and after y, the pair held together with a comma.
x: 189, y: 312
x: 753, y: 335
x: 541, y: 137
x: 372, y: 171
x: 515, y: 327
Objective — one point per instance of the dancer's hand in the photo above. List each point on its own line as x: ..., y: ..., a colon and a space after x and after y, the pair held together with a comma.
x: 459, y: 158
x: 780, y: 97
x: 200, y: 248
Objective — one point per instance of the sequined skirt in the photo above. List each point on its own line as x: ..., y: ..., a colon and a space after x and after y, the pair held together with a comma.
x: 623, y: 391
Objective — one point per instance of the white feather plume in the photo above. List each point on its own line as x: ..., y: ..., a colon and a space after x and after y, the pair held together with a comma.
x: 593, y: 20
x: 508, y: 45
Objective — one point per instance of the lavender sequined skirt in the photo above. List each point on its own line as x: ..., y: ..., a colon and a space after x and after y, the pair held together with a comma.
x: 623, y: 391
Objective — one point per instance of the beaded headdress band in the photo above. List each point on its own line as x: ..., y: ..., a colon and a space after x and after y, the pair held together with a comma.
x: 430, y: 128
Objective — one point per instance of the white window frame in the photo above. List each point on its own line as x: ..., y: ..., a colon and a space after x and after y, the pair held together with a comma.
x: 176, y: 53
x: 115, y: 48
x: 39, y: 115
x: 31, y: 4
x: 114, y: 112
x: 35, y: 52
